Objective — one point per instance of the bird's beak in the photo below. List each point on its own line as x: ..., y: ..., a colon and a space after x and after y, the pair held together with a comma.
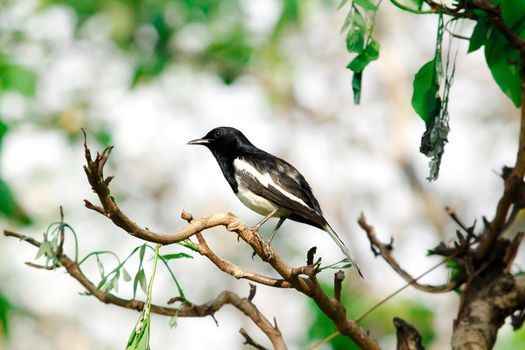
x: 202, y: 141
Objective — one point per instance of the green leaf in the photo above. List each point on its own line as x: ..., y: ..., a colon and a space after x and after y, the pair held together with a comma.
x: 189, y: 245
x: 175, y: 256
x: 479, y: 35
x: 503, y: 61
x: 140, y: 279
x: 125, y: 275
x: 426, y: 87
x: 139, y: 338
x: 355, y: 37
x: 173, y: 321
x: 45, y: 249
x: 369, y: 54
x: 366, y: 4
x: 356, y: 86
x: 513, y: 14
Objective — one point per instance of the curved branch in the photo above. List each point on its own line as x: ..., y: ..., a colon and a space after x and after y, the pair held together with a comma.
x: 244, y: 305
x: 306, y: 285
x: 385, y: 250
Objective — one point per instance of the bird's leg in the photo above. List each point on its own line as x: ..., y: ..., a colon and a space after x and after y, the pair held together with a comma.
x: 281, y: 220
x: 266, y: 218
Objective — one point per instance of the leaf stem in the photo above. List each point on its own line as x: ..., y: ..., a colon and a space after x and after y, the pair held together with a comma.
x: 409, y: 9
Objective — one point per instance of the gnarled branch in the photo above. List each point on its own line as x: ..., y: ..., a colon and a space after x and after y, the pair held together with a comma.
x: 244, y: 305
x: 307, y: 285
x: 385, y: 250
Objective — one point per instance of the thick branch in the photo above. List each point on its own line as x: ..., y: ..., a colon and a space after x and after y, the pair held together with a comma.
x: 385, y: 250
x: 186, y: 310
x: 481, y: 318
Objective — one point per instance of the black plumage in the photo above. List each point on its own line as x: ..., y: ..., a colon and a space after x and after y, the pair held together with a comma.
x: 265, y: 183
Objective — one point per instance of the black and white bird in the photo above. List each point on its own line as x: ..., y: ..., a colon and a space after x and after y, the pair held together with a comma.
x: 266, y: 184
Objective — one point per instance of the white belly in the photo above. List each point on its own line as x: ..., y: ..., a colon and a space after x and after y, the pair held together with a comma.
x: 259, y: 204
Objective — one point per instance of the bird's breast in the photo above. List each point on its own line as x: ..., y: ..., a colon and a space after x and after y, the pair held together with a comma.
x: 259, y: 204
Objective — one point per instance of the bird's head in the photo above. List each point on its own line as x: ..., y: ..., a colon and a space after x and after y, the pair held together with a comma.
x: 222, y: 140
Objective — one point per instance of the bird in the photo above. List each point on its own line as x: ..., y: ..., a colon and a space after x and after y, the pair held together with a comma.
x: 267, y: 184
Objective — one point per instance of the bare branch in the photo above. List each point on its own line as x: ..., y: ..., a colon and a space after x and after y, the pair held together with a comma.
x: 186, y: 310
x: 479, y: 320
x: 308, y: 286
x: 249, y: 341
x: 339, y: 276
x: 385, y: 250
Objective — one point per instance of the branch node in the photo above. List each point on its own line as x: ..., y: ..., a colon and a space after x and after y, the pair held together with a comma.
x: 310, y: 255
x: 253, y: 289
x: 186, y: 216
x: 339, y: 276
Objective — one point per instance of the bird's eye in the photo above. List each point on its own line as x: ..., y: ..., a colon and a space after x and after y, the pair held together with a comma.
x: 218, y: 134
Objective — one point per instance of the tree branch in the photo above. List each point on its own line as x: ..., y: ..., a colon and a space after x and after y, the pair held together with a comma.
x: 306, y: 285
x: 244, y: 305
x: 479, y: 321
x: 385, y: 250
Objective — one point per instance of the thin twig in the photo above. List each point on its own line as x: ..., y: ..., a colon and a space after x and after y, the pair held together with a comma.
x: 185, y: 310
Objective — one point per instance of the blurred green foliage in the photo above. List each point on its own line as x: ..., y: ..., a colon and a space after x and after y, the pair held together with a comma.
x: 379, y: 322
x: 5, y: 309
x: 150, y: 30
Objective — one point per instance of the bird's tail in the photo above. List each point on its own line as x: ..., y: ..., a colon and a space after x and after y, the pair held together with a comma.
x: 343, y: 248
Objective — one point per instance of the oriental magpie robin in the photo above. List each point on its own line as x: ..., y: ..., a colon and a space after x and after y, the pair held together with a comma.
x: 266, y: 184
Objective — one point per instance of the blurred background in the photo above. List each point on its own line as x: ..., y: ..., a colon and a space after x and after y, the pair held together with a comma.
x: 148, y: 76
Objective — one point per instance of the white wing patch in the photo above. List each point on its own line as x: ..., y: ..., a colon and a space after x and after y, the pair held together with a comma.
x: 265, y: 180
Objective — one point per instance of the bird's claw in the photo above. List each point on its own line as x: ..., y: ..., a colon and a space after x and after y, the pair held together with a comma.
x: 267, y: 251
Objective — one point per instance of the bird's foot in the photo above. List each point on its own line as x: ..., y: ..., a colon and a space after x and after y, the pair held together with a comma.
x: 267, y: 251
x: 255, y: 228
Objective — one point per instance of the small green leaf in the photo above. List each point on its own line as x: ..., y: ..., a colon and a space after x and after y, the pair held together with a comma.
x: 355, y: 37
x: 189, y: 245
x: 139, y: 338
x: 366, y: 4
x: 140, y: 279
x: 369, y: 54
x: 141, y: 253
x: 426, y: 87
x: 173, y: 321
x: 44, y: 249
x: 356, y: 86
x: 479, y: 35
x: 175, y: 256
x: 125, y: 275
